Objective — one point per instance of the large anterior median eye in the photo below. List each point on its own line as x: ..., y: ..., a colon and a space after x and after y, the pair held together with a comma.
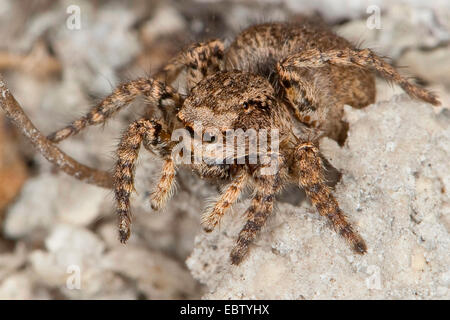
x: 209, y: 137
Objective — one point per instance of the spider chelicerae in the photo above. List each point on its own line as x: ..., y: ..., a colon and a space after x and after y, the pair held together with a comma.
x: 272, y: 76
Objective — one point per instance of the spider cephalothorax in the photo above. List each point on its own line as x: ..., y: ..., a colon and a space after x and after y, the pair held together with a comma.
x: 272, y: 77
x: 233, y: 100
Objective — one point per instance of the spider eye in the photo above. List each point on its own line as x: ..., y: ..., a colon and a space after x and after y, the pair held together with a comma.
x: 209, y: 137
x: 245, y: 105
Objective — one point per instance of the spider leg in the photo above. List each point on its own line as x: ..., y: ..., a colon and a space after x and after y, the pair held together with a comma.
x: 164, y: 189
x: 301, y: 91
x: 211, y: 218
x: 201, y: 59
x: 162, y: 148
x: 142, y: 130
x: 314, y: 100
x: 310, y: 169
x: 260, y: 209
x: 362, y: 58
x: 154, y: 90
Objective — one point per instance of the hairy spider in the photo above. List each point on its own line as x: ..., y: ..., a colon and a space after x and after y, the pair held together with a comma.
x: 272, y: 76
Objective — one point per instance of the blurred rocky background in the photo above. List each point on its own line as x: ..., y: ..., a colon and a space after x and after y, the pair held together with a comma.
x: 395, y: 173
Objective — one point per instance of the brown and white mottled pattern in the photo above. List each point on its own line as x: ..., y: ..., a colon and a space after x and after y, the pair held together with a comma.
x: 364, y: 59
x: 165, y: 187
x: 261, y: 207
x: 311, y: 178
x: 272, y: 76
x: 155, y: 92
x: 127, y: 153
x: 211, y: 218
x: 200, y: 59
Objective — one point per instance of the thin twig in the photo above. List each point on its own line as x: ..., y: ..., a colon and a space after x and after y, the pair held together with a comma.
x: 50, y: 151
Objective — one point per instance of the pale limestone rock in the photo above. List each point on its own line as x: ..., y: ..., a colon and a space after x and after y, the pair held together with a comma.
x: 16, y: 287
x: 166, y: 20
x: 54, y: 198
x: 10, y: 262
x: 155, y: 275
x: 402, y: 27
x: 72, y: 263
x: 429, y: 65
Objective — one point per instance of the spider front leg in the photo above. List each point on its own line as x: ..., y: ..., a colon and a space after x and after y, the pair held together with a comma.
x: 150, y: 133
x: 155, y: 91
x: 267, y: 185
x: 362, y: 58
x: 201, y: 59
x: 164, y: 189
x: 211, y: 218
x: 308, y: 165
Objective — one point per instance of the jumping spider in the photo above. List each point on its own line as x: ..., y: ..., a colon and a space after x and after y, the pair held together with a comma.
x: 274, y: 75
